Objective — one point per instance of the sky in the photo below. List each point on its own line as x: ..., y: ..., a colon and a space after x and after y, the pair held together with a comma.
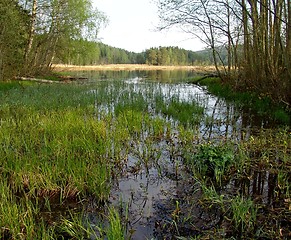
x: 132, y: 26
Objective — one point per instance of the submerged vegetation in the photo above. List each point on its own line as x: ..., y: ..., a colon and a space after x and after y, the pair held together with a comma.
x: 65, y: 147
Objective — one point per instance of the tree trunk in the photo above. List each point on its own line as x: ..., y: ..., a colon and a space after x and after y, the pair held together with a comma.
x: 31, y: 31
x: 211, y: 37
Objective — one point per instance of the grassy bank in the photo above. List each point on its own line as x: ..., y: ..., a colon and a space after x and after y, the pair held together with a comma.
x: 261, y: 105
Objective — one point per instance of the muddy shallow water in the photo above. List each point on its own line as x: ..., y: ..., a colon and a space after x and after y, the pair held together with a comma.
x: 159, y: 199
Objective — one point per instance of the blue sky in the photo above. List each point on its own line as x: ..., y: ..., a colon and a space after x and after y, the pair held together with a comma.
x: 132, y: 26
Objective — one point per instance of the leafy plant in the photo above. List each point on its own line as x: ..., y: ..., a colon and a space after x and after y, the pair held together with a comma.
x: 212, y: 161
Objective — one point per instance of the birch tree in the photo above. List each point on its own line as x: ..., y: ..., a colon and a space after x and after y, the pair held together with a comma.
x: 53, y: 24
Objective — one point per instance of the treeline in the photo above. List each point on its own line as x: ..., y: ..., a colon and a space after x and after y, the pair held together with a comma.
x: 84, y: 52
x: 35, y: 34
x: 176, y: 56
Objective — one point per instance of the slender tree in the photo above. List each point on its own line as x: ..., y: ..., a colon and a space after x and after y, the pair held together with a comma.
x: 56, y: 22
x: 260, y: 29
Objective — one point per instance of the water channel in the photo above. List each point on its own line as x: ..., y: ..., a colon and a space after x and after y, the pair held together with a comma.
x: 146, y: 194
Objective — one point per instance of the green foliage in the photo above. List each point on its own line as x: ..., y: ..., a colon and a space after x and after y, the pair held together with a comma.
x: 244, y: 213
x: 14, y: 22
x: 174, y: 56
x: 28, y: 43
x: 73, y: 227
x: 261, y: 104
x: 115, y: 230
x: 211, y: 161
x: 83, y: 52
x: 184, y: 112
x: 5, y: 86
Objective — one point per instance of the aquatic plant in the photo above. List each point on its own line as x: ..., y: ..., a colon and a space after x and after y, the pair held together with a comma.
x: 184, y: 112
x: 115, y: 230
x: 260, y: 103
x: 62, y: 147
x: 244, y: 213
x: 211, y: 161
x: 213, y: 197
x: 74, y: 226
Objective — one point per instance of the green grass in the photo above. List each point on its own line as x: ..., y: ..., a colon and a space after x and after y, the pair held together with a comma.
x: 244, y: 213
x: 5, y: 86
x: 115, y: 230
x: 52, y: 148
x: 184, y: 112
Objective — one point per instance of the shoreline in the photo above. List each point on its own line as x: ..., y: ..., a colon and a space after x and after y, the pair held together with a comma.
x: 129, y: 67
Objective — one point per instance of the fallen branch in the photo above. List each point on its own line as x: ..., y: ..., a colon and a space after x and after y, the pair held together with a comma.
x: 196, y: 81
x: 37, y: 80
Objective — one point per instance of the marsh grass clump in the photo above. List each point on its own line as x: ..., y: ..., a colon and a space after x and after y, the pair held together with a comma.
x: 212, y: 162
x: 5, y: 86
x: 244, y: 214
x: 47, y: 97
x: 184, y: 112
x: 49, y: 160
x: 115, y: 229
x: 55, y: 144
x: 262, y: 104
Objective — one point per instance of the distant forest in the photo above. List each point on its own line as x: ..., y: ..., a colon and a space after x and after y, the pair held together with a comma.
x: 91, y: 53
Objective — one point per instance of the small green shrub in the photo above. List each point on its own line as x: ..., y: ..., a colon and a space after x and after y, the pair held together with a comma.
x: 212, y: 161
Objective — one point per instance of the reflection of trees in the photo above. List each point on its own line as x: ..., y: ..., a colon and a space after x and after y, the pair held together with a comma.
x: 229, y: 120
x: 224, y: 121
x: 260, y: 184
x: 170, y: 76
x: 157, y: 75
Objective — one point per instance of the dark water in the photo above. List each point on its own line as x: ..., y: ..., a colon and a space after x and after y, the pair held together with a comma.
x: 147, y: 195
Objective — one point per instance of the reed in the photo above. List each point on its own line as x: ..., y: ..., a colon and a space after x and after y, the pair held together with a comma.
x: 115, y: 230
x: 244, y: 213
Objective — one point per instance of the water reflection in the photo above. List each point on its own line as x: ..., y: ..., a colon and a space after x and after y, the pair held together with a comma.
x: 173, y: 76
x: 260, y: 185
x: 222, y: 119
